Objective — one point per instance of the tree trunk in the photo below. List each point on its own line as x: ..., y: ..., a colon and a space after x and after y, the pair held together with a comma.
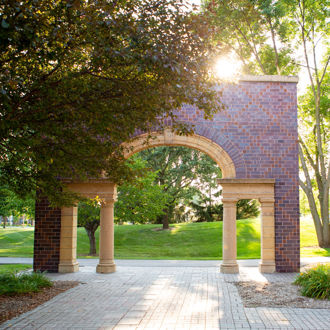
x: 4, y: 221
x: 92, y: 242
x: 165, y: 221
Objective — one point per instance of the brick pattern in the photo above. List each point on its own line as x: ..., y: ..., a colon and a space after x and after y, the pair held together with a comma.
x: 46, y: 237
x: 258, y: 129
x: 188, y: 296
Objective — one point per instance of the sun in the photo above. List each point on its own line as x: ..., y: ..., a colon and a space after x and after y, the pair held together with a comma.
x: 228, y: 68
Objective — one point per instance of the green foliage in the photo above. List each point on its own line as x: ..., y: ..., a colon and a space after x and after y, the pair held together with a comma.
x: 89, y: 218
x: 89, y: 213
x: 138, y: 202
x: 284, y: 37
x: 13, y: 283
x: 256, y: 31
x: 207, y: 212
x: 315, y: 282
x: 11, y: 204
x: 142, y: 201
x: 245, y: 209
x: 306, y: 108
x: 77, y: 78
x: 184, y: 174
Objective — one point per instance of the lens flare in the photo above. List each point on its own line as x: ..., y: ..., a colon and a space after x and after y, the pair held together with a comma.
x: 227, y: 68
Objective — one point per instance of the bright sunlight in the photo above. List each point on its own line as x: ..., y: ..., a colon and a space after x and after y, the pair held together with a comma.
x: 228, y: 68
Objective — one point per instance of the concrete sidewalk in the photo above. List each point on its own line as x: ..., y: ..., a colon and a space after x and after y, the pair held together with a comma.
x: 164, y: 294
x: 165, y: 263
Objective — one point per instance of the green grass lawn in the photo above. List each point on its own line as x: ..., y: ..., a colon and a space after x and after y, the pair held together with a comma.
x: 13, y: 268
x: 185, y: 241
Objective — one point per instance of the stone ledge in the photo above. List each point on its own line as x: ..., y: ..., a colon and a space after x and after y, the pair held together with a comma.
x: 269, y: 78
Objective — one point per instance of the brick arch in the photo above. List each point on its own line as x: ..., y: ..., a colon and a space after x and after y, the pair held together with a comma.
x: 254, y: 140
x: 195, y: 141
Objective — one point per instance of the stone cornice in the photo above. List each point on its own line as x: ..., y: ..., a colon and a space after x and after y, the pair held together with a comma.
x: 269, y: 78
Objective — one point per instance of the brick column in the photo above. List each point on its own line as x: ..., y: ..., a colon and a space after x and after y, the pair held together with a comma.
x: 229, y: 249
x: 267, y: 264
x: 68, y: 246
x: 107, y: 263
x: 46, y: 252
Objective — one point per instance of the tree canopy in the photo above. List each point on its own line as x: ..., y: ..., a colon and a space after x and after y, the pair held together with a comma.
x: 142, y: 201
x: 283, y: 37
x: 77, y: 78
x: 183, y: 173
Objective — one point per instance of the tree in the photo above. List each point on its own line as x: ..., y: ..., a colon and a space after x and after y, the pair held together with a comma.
x: 142, y: 201
x: 138, y: 202
x: 183, y: 173
x: 89, y: 218
x: 77, y: 78
x: 301, y: 25
x: 256, y: 31
x: 11, y: 204
x: 245, y: 208
x: 310, y: 29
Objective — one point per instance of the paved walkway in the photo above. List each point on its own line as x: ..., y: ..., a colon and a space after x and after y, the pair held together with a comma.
x: 163, y: 295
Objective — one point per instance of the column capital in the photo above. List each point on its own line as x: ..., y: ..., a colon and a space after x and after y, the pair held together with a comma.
x: 229, y: 200
x: 108, y: 200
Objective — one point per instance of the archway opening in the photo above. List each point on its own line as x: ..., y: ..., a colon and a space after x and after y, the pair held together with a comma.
x: 180, y: 194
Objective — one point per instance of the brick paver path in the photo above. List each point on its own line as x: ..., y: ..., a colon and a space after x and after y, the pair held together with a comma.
x: 163, y: 297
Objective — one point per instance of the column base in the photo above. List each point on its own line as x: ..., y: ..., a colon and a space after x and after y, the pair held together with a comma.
x: 229, y: 268
x: 106, y: 268
x: 68, y: 268
x: 267, y: 267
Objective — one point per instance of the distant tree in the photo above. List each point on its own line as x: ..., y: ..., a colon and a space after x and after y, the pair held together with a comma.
x: 138, y: 202
x: 183, y: 173
x: 205, y: 212
x: 89, y: 218
x: 247, y: 208
x: 142, y: 201
x: 11, y: 204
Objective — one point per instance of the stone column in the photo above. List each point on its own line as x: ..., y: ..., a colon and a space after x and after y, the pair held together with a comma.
x: 68, y: 244
x: 229, y: 250
x: 106, y: 263
x: 267, y: 264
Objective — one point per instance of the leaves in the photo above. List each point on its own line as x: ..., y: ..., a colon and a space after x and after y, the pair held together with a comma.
x: 80, y: 78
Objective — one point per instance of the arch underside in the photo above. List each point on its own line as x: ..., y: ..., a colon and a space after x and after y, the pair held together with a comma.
x: 169, y: 138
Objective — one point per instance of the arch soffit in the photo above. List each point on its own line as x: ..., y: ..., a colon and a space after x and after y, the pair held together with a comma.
x: 169, y: 138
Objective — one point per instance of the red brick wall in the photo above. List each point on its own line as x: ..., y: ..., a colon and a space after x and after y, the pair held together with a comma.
x: 46, y: 237
x: 258, y: 129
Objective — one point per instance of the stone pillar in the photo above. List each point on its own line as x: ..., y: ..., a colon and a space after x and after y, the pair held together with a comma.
x: 106, y: 263
x: 229, y: 250
x: 68, y: 245
x: 267, y: 264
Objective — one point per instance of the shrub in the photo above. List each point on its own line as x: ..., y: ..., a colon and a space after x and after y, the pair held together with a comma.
x: 14, y: 283
x: 315, y: 282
